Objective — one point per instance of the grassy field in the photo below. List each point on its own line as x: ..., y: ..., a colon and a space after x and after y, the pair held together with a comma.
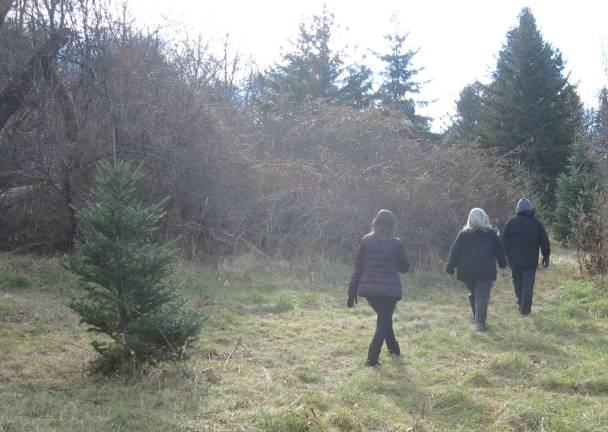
x: 299, y: 361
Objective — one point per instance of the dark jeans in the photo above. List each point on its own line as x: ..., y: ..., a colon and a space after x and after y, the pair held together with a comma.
x: 523, y: 285
x: 479, y: 297
x: 384, y: 307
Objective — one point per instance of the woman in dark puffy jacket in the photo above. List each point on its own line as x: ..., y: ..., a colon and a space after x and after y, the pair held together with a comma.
x: 380, y: 259
x: 474, y: 254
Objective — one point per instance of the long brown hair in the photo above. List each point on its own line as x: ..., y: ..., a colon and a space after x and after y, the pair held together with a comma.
x: 383, y: 225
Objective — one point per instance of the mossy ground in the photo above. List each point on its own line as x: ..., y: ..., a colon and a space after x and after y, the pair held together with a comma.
x: 299, y: 365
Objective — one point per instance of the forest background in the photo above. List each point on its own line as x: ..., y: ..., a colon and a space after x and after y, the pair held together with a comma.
x: 290, y: 161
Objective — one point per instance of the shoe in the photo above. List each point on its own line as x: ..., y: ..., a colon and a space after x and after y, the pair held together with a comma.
x: 481, y: 327
x: 395, y: 354
x: 372, y: 364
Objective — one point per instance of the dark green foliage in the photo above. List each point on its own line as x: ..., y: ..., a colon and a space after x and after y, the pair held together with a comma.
x: 312, y: 69
x: 357, y: 90
x: 529, y: 111
x: 123, y: 273
x: 469, y: 108
x: 399, y: 74
x: 577, y: 191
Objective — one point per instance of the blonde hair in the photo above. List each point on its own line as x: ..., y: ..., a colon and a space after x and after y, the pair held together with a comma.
x: 478, y: 220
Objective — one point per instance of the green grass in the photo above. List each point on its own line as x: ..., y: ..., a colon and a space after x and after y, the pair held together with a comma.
x: 299, y: 366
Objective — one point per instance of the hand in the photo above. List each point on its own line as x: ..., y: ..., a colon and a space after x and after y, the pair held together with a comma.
x: 351, y: 301
x: 545, y: 262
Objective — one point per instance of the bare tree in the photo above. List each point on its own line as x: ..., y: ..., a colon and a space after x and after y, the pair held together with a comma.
x: 14, y: 95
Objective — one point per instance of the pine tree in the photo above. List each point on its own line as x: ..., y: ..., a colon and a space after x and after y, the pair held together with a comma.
x: 312, y: 69
x: 124, y: 274
x: 469, y: 109
x: 577, y: 189
x: 531, y: 109
x: 357, y: 90
x: 399, y: 84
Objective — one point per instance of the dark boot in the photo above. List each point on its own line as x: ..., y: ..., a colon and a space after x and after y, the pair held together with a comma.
x: 482, y: 298
x: 472, y: 303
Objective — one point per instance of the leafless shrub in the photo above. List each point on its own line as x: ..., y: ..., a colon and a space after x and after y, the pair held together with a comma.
x: 590, y: 238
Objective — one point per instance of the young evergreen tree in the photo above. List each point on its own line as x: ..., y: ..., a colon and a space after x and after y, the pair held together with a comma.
x: 530, y: 105
x: 399, y: 83
x: 577, y: 189
x: 124, y: 274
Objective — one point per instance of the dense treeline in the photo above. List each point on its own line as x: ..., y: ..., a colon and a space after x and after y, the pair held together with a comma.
x: 293, y: 160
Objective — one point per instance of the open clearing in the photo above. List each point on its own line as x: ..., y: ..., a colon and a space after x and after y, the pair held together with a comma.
x: 299, y: 361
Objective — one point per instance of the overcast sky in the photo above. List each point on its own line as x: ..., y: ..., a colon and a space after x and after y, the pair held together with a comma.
x: 458, y: 40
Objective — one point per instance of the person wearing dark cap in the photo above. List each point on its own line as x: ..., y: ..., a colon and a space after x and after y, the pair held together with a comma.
x: 380, y: 259
x: 523, y: 237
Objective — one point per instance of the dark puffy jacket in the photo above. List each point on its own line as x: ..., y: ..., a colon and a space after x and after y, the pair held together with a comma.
x: 474, y: 255
x: 522, y: 237
x: 376, y: 273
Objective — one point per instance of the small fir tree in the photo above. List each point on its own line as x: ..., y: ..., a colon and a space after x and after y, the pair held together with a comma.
x: 577, y: 189
x: 124, y: 274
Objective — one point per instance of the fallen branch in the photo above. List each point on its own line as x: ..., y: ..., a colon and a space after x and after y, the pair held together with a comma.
x: 238, y: 342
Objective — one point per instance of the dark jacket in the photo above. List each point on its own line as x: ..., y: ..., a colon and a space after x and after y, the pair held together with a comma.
x: 522, y: 237
x: 474, y: 255
x: 376, y: 273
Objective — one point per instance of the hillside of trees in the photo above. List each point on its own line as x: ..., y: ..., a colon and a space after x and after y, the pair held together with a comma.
x: 293, y: 160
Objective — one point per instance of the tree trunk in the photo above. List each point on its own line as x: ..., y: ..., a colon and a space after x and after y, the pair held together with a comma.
x: 71, y: 164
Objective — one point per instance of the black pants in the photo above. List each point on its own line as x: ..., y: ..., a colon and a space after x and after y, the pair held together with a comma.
x: 384, y: 307
x: 479, y: 297
x: 523, y: 285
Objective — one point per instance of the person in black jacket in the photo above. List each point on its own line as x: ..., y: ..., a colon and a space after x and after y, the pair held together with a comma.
x: 380, y: 259
x: 522, y: 237
x: 474, y: 254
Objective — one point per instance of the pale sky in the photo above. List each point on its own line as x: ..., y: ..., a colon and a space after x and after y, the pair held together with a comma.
x: 458, y: 40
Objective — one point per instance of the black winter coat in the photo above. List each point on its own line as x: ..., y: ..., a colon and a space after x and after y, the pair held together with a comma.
x: 376, y: 273
x: 474, y: 255
x: 522, y: 237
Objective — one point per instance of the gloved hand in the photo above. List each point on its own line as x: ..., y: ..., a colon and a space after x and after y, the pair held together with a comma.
x: 351, y: 301
x: 545, y: 262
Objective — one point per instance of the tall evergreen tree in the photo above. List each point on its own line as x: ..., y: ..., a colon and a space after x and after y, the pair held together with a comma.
x: 399, y: 83
x: 312, y: 69
x: 124, y: 274
x: 577, y: 189
x: 531, y: 109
